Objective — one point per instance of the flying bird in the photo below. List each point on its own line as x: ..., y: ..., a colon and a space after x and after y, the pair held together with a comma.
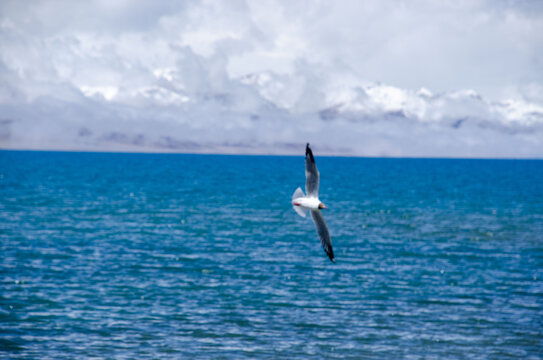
x: 310, y: 202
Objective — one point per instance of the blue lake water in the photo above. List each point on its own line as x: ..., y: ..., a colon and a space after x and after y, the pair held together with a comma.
x: 135, y: 256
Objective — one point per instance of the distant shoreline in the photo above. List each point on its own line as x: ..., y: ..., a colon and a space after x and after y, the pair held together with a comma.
x: 233, y: 152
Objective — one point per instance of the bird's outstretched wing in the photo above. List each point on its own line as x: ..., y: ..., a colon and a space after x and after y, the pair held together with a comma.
x: 311, y: 174
x: 324, y: 235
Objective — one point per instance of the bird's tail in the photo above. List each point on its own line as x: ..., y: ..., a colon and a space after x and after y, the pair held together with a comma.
x: 300, y: 210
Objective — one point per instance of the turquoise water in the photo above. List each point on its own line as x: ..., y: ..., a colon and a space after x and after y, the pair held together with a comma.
x: 135, y: 256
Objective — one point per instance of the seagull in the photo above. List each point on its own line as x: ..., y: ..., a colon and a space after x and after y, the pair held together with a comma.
x: 302, y: 203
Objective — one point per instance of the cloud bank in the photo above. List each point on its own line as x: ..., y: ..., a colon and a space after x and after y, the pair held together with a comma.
x: 356, y: 78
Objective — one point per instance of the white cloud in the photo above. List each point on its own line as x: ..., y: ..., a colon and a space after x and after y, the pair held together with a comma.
x: 366, y: 78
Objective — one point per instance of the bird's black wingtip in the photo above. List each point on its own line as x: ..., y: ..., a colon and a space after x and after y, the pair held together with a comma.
x: 330, y: 254
x: 308, y: 152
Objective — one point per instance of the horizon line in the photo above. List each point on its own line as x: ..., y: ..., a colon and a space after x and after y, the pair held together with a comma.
x: 286, y: 154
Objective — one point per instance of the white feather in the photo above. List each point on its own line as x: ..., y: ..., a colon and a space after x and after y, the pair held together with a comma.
x: 296, y: 199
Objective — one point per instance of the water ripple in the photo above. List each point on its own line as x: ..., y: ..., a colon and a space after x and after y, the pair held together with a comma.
x: 171, y: 256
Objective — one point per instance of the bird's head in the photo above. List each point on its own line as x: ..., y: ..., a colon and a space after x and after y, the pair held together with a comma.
x: 322, y: 206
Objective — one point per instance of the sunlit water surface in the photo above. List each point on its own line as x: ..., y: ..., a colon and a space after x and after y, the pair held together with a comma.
x: 187, y: 256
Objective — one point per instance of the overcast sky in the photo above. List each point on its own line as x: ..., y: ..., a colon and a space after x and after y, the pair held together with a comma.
x: 371, y: 78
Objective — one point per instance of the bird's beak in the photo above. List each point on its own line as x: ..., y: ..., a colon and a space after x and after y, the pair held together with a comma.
x: 322, y: 206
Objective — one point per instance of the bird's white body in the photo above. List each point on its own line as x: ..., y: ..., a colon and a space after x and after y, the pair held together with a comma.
x: 307, y: 202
